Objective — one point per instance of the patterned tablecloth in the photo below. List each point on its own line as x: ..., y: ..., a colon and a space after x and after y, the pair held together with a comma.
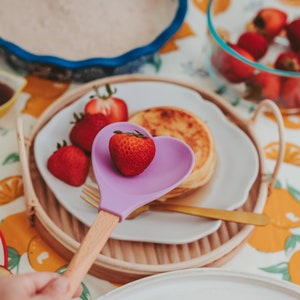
x: 272, y: 251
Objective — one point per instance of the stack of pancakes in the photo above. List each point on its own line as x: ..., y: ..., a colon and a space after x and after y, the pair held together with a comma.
x: 179, y: 123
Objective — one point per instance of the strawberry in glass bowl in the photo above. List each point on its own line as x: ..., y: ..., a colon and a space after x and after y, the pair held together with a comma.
x: 256, y: 56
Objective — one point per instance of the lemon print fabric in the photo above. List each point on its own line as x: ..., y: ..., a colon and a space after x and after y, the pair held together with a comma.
x: 42, y: 93
x: 23, y: 239
x: 290, y: 2
x: 184, y: 31
x: 290, y: 121
x: 291, y: 154
x: 11, y: 188
x: 219, y: 6
x: 293, y: 267
x: 283, y: 208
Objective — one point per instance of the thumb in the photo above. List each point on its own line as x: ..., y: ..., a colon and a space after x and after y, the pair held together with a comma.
x: 57, y: 288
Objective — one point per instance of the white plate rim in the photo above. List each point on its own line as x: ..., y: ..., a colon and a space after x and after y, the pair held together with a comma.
x: 183, y: 278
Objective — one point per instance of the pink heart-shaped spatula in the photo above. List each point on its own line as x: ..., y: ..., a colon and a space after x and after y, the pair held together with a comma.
x: 120, y: 195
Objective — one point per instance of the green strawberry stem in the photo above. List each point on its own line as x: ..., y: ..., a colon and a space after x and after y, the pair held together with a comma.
x: 59, y: 145
x: 253, y: 91
x: 135, y: 133
x: 77, y: 118
x: 259, y: 22
x: 109, y: 91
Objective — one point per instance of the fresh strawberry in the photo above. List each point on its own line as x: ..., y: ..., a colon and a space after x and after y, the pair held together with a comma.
x: 114, y: 108
x: 269, y: 22
x: 290, y: 93
x: 231, y: 68
x: 287, y: 61
x: 69, y: 164
x: 131, y: 152
x: 253, y: 43
x: 263, y: 85
x: 293, y: 34
x: 86, y: 128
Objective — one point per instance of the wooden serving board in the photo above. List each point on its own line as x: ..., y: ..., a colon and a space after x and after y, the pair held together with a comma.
x: 124, y: 261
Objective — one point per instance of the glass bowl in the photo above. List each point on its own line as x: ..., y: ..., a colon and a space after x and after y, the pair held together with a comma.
x: 233, y: 71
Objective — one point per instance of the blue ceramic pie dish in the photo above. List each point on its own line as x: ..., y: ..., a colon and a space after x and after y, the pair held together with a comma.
x: 57, y: 68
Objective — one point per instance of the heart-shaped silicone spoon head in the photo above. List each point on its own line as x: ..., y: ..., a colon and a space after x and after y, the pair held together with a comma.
x: 120, y: 195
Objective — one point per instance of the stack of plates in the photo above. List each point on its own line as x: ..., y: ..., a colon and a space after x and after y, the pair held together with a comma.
x: 208, y: 284
x: 153, y: 242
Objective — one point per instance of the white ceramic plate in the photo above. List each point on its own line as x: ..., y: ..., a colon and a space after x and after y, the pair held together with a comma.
x: 3, y: 252
x: 236, y: 170
x: 208, y: 284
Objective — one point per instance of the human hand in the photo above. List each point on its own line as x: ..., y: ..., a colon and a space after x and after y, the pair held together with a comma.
x: 35, y: 286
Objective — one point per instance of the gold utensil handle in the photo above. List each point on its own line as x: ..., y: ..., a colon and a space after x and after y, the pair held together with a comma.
x: 219, y: 214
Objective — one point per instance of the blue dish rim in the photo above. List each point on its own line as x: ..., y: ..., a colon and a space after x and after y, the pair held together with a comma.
x: 227, y: 48
x: 122, y: 59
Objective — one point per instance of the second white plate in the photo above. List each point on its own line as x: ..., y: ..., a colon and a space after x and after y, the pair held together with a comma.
x: 208, y: 284
x: 236, y: 170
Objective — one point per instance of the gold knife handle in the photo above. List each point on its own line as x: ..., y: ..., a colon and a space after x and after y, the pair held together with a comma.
x: 219, y: 214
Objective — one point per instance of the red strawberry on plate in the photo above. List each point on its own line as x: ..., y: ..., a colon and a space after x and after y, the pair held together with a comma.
x: 263, y: 86
x: 69, y: 164
x: 293, y: 34
x: 233, y: 69
x: 290, y: 93
x: 131, y: 152
x: 115, y: 109
x: 287, y: 61
x: 86, y: 128
x: 269, y: 22
x: 253, y: 43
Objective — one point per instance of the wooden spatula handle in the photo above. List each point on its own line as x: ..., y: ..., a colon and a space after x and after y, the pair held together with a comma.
x: 90, y: 247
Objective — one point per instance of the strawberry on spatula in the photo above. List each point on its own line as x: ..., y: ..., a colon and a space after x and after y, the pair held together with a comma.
x: 86, y: 128
x: 115, y: 109
x: 69, y: 164
x: 131, y: 152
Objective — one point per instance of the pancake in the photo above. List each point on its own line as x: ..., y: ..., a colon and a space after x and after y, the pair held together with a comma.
x: 184, y: 125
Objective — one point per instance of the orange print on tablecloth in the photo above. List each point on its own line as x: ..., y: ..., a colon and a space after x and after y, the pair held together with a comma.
x: 42, y: 257
x: 11, y: 188
x: 269, y: 238
x: 184, y: 31
x: 291, y: 154
x: 284, y: 211
x: 283, y: 208
x: 294, y: 267
x: 22, y: 237
x: 290, y: 2
x: 290, y: 121
x: 17, y: 232
x: 220, y: 5
x: 42, y: 93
